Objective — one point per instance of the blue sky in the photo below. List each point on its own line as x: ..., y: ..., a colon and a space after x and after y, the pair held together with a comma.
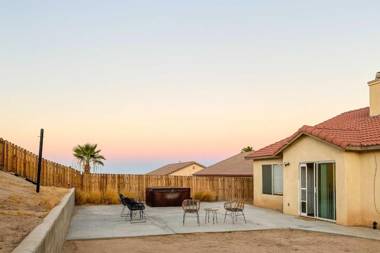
x: 163, y: 81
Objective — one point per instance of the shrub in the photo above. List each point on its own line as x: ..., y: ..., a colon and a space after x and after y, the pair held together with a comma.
x: 198, y: 195
x: 209, y: 196
x: 108, y: 197
x: 94, y: 197
x: 205, y: 196
x: 80, y: 197
x: 111, y: 197
x: 131, y: 195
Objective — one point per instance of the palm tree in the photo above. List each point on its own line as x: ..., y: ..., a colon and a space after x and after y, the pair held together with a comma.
x: 88, y: 155
x: 247, y: 149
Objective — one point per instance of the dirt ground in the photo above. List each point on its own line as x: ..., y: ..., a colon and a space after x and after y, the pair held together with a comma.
x: 241, y: 242
x: 21, y: 208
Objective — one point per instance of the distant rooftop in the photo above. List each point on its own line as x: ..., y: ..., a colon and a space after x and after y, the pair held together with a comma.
x: 171, y: 168
x: 235, y: 165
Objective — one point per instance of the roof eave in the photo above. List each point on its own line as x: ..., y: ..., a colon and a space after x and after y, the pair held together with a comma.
x: 270, y: 157
x: 311, y: 136
x: 363, y: 148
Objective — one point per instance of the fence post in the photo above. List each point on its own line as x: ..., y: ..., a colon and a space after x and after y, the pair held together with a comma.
x: 2, y: 154
x: 40, y: 161
x: 144, y: 188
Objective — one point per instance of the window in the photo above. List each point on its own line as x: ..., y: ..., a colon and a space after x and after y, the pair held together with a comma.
x: 272, y: 179
x: 267, y: 179
x: 277, y: 179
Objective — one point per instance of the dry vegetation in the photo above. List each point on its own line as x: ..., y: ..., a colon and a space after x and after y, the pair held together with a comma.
x: 82, y: 197
x: 207, y: 196
x: 108, y: 197
x: 21, y: 208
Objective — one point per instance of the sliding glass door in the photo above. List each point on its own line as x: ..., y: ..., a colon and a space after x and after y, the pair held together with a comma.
x: 317, y: 190
x: 326, y: 190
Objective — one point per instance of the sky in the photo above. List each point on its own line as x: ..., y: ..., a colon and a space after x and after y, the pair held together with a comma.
x: 155, y: 82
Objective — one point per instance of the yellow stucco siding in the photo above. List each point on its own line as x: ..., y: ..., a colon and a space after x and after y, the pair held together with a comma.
x: 370, y: 192
x: 260, y: 199
x: 187, y: 171
x: 350, y: 213
x: 307, y: 149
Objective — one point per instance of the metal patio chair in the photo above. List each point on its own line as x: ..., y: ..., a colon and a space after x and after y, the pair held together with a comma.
x: 234, y: 209
x: 190, y: 206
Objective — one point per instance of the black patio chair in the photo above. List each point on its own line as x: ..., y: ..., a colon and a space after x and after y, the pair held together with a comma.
x: 124, y: 203
x: 134, y: 208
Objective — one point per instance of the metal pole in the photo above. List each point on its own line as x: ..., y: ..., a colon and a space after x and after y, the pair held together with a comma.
x: 40, y: 160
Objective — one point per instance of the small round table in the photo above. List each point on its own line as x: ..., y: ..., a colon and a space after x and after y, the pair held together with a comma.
x: 214, y: 214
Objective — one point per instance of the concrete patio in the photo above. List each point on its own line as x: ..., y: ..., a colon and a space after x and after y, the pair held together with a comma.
x: 96, y: 222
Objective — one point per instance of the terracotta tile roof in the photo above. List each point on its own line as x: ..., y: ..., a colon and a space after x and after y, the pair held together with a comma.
x: 350, y: 130
x: 171, y: 168
x: 235, y: 165
x: 269, y: 150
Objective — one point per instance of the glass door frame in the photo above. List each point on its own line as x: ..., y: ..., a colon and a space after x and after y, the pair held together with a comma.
x: 302, y: 166
x: 315, y: 184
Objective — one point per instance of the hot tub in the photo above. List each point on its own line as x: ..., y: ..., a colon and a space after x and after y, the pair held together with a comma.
x: 166, y: 196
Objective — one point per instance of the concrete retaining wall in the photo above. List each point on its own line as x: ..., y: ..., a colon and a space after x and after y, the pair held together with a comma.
x: 49, y: 236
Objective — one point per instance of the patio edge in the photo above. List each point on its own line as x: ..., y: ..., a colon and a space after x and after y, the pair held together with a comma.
x: 49, y: 236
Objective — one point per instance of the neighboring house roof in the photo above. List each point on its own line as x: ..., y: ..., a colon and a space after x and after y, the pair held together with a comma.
x: 235, y: 165
x: 353, y: 130
x: 171, y: 168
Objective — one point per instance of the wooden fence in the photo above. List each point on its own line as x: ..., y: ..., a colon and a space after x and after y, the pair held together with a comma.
x: 225, y: 188
x: 24, y: 163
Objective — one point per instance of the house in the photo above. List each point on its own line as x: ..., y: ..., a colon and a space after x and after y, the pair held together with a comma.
x: 178, y: 169
x: 330, y: 171
x: 234, y: 166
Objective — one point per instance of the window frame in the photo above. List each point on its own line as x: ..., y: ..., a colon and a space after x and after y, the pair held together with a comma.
x: 272, y: 179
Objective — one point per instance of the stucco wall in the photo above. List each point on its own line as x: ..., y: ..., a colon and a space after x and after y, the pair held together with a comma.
x: 368, y: 189
x: 260, y: 199
x: 307, y: 149
x: 352, y: 190
x: 188, y: 171
x: 50, y: 235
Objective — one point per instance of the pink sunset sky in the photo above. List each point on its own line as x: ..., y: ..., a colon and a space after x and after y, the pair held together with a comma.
x: 153, y: 83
